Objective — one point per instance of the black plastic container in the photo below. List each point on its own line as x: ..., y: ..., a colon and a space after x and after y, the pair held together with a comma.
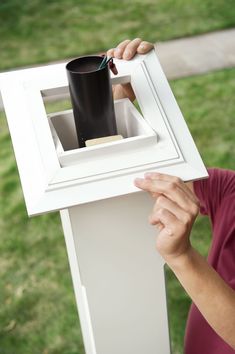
x: 92, y: 99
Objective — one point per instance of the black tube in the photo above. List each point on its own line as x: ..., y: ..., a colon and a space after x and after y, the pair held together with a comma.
x: 92, y: 100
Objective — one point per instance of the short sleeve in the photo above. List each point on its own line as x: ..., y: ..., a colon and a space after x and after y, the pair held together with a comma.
x: 212, y: 191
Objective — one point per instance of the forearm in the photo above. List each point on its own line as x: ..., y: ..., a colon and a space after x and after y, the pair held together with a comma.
x: 213, y: 297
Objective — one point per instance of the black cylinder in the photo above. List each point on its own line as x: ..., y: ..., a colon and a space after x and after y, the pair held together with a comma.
x: 92, y: 100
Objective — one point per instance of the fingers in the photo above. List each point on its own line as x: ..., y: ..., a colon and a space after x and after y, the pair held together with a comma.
x: 170, y: 217
x: 123, y: 91
x: 169, y: 189
x: 128, y: 48
x: 174, y: 180
x: 174, y: 212
x: 164, y: 203
x: 144, y: 47
x: 131, y: 49
x: 168, y: 221
x: 172, y: 190
x: 118, y: 52
x: 110, y: 52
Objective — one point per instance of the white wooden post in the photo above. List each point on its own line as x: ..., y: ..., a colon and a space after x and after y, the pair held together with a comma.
x: 119, y: 277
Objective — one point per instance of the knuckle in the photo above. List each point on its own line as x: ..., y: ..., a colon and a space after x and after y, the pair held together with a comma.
x: 173, y: 186
x: 152, y: 219
x: 147, y: 184
x: 161, y: 212
x: 183, y: 227
x: 156, y: 207
x: 176, y: 180
x: 160, y: 200
x: 187, y: 220
x: 195, y: 209
x: 155, y: 194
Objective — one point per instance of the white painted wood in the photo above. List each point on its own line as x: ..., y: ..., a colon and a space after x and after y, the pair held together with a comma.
x: 47, y: 185
x: 93, y: 160
x: 112, y: 248
x: 80, y: 294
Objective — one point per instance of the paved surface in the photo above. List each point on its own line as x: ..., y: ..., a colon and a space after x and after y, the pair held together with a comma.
x: 196, y: 55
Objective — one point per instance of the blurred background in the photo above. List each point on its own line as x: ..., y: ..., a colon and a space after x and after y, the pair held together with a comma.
x: 38, y: 312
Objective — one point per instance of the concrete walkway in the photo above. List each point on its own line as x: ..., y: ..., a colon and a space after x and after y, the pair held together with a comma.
x: 197, y: 55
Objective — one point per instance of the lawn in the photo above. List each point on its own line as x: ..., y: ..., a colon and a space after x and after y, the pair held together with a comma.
x: 37, y: 31
x: 38, y: 312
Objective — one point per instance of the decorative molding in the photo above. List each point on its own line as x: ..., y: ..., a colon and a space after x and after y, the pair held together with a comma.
x: 102, y: 171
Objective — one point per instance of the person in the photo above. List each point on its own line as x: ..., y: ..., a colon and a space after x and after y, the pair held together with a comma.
x: 210, y: 283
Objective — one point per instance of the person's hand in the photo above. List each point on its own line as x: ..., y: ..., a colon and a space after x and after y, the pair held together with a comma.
x: 127, y: 50
x: 174, y: 213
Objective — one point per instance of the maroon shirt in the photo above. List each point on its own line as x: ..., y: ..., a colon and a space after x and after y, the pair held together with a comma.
x: 217, y: 198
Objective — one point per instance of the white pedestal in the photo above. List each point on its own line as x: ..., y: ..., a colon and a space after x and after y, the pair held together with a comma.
x: 118, y: 276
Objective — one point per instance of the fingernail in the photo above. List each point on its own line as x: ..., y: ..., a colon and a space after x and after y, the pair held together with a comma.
x: 127, y: 54
x: 117, y: 52
x: 150, y: 175
x: 138, y: 180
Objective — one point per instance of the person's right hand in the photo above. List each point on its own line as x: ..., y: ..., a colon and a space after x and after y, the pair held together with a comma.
x: 127, y: 50
x: 174, y: 213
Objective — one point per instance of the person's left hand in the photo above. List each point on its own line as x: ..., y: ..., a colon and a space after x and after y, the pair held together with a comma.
x: 174, y: 213
x: 127, y: 50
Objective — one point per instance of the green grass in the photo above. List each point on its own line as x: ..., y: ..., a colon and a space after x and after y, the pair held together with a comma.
x: 37, y: 31
x: 38, y: 312
x: 208, y: 106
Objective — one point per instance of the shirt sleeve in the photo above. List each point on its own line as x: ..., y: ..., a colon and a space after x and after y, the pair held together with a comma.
x: 212, y: 191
